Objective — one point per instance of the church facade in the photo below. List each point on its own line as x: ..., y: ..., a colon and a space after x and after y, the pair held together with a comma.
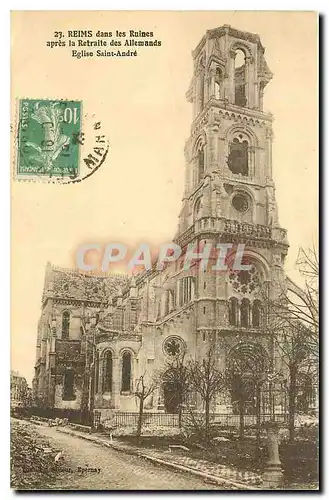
x: 98, y: 334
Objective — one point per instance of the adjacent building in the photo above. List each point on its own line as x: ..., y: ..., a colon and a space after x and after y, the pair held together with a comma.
x: 19, y: 391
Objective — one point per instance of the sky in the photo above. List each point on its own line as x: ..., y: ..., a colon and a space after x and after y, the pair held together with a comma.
x: 136, y: 195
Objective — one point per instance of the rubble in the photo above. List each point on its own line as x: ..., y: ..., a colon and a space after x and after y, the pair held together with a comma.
x: 32, y: 459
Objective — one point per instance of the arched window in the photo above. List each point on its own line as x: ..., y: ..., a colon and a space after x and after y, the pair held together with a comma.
x: 126, y: 372
x: 200, y: 162
x: 185, y: 290
x: 65, y: 325
x: 238, y: 156
x: 245, y: 312
x: 68, y: 386
x: 240, y: 78
x: 107, y: 372
x: 197, y: 209
x: 256, y: 313
x: 218, y: 81
x: 246, y: 362
x: 233, y: 311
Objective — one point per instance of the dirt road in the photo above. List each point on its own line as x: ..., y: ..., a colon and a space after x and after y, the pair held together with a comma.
x: 88, y: 466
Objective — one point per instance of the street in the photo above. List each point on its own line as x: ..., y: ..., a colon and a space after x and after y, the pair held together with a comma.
x: 111, y: 469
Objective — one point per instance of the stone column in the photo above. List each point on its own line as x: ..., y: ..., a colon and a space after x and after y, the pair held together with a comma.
x: 273, y: 475
x: 177, y: 294
x: 269, y: 137
x: 206, y: 200
x: 116, y: 382
x: 206, y: 87
x: 99, y: 389
x: 246, y: 85
x: 212, y: 154
x: 251, y: 162
x: 198, y: 89
x: 188, y: 183
x: 231, y: 76
x: 238, y: 313
x: 135, y: 372
x: 195, y: 96
x: 261, y: 99
x: 256, y: 95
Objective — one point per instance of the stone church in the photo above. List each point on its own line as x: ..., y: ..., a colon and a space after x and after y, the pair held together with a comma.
x: 98, y: 334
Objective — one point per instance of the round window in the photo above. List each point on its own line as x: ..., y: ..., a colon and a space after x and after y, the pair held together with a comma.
x: 245, y: 281
x: 240, y: 203
x: 174, y: 346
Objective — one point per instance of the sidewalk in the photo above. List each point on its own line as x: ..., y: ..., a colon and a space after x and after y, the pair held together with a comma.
x: 219, y: 474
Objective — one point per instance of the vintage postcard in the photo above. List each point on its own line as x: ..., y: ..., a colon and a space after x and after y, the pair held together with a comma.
x: 164, y: 259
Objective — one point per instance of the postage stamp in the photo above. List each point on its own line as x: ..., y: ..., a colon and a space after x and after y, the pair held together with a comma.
x: 48, y: 142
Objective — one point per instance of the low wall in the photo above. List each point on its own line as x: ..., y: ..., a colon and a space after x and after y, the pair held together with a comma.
x: 75, y: 416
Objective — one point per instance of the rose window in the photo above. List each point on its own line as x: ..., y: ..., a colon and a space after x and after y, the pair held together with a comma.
x: 173, y: 346
x: 245, y: 282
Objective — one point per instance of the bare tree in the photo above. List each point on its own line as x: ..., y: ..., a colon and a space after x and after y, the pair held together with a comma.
x: 292, y: 342
x: 207, y: 381
x: 301, y: 304
x: 244, y: 379
x: 176, y: 374
x: 293, y: 324
x: 144, y: 389
x: 308, y: 265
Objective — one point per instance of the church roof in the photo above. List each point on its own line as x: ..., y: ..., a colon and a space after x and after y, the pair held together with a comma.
x: 73, y: 284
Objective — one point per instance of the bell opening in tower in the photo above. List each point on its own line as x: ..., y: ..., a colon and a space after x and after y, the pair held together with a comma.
x: 238, y: 156
x: 200, y: 163
x: 240, y: 78
x: 218, y: 81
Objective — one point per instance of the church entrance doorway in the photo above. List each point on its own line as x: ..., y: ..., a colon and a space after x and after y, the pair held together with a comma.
x: 171, y: 397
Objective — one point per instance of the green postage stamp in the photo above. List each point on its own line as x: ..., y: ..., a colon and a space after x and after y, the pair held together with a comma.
x: 48, y: 138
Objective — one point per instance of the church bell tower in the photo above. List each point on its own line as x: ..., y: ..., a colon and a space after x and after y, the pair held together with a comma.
x: 229, y: 152
x: 229, y: 194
